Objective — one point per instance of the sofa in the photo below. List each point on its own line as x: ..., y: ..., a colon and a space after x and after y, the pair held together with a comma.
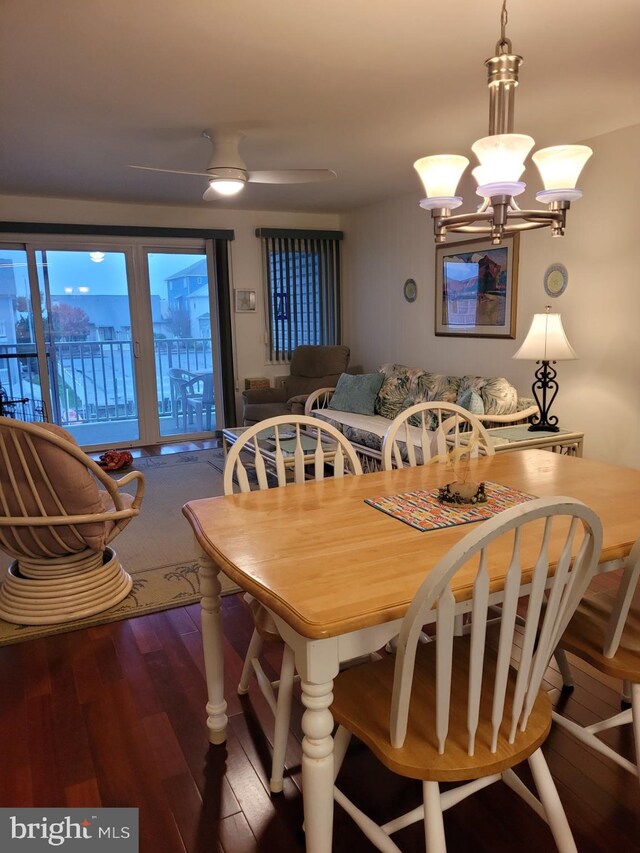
x: 362, y: 407
x: 311, y: 367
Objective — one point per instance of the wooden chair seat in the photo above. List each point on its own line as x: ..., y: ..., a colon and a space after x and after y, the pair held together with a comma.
x: 605, y: 632
x: 586, y: 634
x: 362, y: 703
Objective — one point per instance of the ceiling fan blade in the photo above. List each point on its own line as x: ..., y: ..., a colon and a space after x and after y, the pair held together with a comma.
x: 170, y: 171
x: 211, y: 195
x: 292, y: 176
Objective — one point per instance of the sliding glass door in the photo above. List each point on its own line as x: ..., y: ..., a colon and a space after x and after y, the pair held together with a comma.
x: 183, y: 348
x: 88, y: 334
x: 113, y: 342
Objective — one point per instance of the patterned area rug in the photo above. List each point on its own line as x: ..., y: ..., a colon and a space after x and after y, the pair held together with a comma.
x: 157, y: 548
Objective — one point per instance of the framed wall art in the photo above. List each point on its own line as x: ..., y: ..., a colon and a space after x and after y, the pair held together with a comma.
x: 476, y: 288
x: 245, y: 300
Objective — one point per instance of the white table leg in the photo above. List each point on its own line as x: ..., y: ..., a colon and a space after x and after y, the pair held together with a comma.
x: 213, y: 650
x: 317, y: 766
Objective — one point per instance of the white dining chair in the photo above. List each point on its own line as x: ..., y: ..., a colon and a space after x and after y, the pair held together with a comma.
x: 278, y: 452
x: 456, y: 710
x: 433, y: 432
x: 605, y: 632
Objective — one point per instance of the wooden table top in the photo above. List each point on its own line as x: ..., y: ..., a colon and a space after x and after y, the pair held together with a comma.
x: 329, y: 563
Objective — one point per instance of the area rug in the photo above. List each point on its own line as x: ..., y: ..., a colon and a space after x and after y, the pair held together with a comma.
x: 157, y: 548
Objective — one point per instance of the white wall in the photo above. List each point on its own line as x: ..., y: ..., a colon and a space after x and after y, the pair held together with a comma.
x: 599, y: 394
x: 246, y: 262
x: 392, y: 241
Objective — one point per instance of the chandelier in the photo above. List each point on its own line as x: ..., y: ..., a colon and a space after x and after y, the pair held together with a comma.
x: 502, y: 154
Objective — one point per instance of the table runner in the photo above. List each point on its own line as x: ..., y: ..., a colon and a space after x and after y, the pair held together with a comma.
x: 423, y: 511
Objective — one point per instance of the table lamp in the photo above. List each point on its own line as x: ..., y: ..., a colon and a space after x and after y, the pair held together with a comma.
x: 546, y: 343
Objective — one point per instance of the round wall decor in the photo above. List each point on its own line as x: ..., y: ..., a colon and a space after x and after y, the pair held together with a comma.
x: 410, y: 290
x: 556, y: 279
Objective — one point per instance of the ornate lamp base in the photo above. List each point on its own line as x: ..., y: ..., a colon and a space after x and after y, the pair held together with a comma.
x: 548, y: 387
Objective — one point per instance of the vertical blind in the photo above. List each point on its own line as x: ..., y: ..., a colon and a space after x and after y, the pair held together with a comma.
x: 301, y: 271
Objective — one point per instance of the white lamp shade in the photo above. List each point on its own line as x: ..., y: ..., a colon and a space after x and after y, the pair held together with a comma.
x: 560, y: 166
x: 440, y: 174
x: 546, y: 340
x: 502, y: 156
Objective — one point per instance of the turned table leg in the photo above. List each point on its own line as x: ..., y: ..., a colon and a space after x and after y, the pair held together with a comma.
x: 317, y: 766
x: 213, y: 650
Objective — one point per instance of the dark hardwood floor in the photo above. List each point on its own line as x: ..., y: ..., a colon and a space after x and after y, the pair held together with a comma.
x: 114, y: 716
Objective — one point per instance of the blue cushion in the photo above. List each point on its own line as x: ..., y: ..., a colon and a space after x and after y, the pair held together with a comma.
x: 357, y: 393
x: 471, y: 401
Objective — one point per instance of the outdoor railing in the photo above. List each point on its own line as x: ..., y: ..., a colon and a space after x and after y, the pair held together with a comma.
x: 93, y: 381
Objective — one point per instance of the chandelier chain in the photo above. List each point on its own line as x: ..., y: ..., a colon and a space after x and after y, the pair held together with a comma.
x: 504, y: 45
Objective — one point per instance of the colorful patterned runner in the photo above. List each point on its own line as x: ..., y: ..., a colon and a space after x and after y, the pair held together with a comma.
x: 423, y: 511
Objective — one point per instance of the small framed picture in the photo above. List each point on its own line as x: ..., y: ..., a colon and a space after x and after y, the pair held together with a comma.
x: 476, y: 288
x: 245, y: 300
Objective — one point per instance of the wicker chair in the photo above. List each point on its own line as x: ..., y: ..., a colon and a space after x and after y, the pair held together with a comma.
x: 56, y: 524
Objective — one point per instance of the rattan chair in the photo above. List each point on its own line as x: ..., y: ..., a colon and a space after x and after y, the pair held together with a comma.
x: 605, y: 632
x: 56, y: 524
x: 455, y: 710
x: 280, y: 451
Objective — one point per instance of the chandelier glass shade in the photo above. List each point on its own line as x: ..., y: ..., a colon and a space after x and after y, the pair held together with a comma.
x: 501, y: 157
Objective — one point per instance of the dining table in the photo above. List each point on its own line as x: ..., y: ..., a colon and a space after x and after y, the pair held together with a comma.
x: 338, y: 574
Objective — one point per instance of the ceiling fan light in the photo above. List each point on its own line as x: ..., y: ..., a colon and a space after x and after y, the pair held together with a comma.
x: 440, y: 174
x: 502, y: 156
x: 560, y: 165
x: 226, y: 186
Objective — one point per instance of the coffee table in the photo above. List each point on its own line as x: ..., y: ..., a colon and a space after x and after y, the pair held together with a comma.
x: 232, y: 434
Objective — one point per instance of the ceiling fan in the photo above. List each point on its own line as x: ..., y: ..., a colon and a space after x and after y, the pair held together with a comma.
x: 228, y: 173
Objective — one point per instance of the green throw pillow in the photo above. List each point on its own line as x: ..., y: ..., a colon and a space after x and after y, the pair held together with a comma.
x: 356, y: 393
x: 471, y: 401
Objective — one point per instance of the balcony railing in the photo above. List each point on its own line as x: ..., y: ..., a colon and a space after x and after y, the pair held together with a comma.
x: 93, y: 381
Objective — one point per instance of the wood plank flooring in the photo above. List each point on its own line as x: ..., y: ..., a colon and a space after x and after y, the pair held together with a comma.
x: 114, y: 716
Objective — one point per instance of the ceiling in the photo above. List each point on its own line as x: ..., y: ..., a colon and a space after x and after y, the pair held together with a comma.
x: 359, y: 86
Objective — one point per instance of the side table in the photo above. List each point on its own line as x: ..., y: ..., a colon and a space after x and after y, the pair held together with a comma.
x: 508, y: 439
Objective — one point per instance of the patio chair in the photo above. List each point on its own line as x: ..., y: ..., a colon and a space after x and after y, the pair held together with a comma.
x: 455, y: 710
x: 433, y: 432
x: 179, y: 380
x: 56, y: 524
x: 281, y: 452
x: 605, y: 632
x: 200, y: 401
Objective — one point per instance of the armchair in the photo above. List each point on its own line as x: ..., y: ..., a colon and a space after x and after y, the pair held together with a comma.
x: 56, y: 524
x: 311, y: 368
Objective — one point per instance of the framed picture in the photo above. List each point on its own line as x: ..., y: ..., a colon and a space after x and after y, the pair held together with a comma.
x: 476, y: 288
x: 245, y: 300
